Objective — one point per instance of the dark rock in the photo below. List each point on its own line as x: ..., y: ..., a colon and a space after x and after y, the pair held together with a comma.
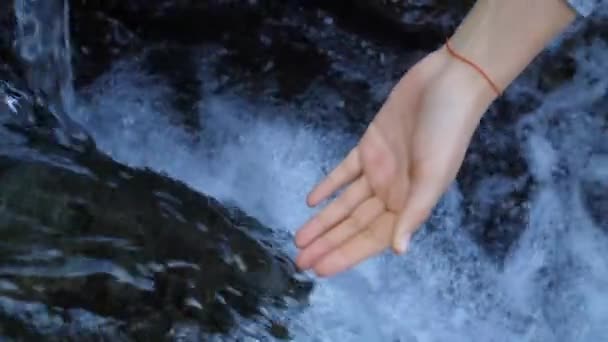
x: 125, y: 25
x: 557, y: 73
x: 97, y: 41
x: 257, y: 57
x: 182, y: 21
x: 179, y: 66
x: 92, y: 249
x: 413, y: 24
x: 7, y: 37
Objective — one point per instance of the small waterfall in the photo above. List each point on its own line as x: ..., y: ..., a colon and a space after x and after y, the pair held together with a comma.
x: 42, y: 41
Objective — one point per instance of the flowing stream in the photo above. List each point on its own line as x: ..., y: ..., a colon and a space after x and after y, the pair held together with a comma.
x: 43, y: 43
x: 552, y: 286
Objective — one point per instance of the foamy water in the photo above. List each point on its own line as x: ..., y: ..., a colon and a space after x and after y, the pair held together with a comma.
x: 553, y: 284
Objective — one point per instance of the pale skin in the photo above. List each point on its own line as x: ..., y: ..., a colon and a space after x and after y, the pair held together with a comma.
x: 413, y: 148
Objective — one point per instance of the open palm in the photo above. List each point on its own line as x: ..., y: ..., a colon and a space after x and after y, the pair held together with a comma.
x: 396, y: 174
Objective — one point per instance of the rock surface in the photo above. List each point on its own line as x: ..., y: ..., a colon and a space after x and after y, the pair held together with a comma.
x: 91, y: 249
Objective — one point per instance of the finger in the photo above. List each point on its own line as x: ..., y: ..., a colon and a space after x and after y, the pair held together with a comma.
x: 345, y: 172
x: 362, y: 216
x: 335, y: 212
x: 398, y: 194
x: 372, y: 240
x: 419, y: 205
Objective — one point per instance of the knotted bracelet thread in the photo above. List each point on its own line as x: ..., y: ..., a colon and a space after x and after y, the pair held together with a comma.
x: 474, y: 66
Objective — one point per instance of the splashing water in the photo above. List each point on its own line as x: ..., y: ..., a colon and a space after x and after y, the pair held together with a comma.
x: 43, y: 43
x: 445, y: 290
x: 551, y: 287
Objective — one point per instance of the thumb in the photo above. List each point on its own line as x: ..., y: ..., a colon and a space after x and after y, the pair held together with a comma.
x: 419, y: 205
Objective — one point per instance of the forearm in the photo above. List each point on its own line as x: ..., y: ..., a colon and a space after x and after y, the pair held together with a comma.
x: 503, y: 36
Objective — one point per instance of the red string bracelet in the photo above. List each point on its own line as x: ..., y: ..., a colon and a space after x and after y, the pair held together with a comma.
x: 475, y: 66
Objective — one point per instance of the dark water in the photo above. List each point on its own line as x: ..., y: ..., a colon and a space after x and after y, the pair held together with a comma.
x: 537, y: 170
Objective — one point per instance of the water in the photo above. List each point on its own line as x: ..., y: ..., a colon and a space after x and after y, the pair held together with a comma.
x: 552, y: 285
x: 43, y: 42
x: 42, y: 39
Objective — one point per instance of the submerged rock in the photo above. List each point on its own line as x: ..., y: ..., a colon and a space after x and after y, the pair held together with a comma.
x: 91, y: 249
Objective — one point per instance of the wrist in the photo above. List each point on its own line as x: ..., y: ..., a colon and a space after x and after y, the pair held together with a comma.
x: 467, y: 81
x: 459, y: 87
x: 502, y: 37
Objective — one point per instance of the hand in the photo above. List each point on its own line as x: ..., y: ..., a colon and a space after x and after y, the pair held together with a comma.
x: 403, y: 164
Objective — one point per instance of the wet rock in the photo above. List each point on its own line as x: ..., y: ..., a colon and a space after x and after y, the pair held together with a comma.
x: 97, y: 41
x: 180, y: 21
x: 7, y: 36
x: 283, y: 51
x: 92, y: 249
x: 418, y: 24
x: 178, y: 65
x: 124, y: 25
x: 261, y: 47
x: 557, y: 73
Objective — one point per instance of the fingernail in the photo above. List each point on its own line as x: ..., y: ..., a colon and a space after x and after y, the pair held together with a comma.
x: 301, y: 264
x: 404, y: 243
